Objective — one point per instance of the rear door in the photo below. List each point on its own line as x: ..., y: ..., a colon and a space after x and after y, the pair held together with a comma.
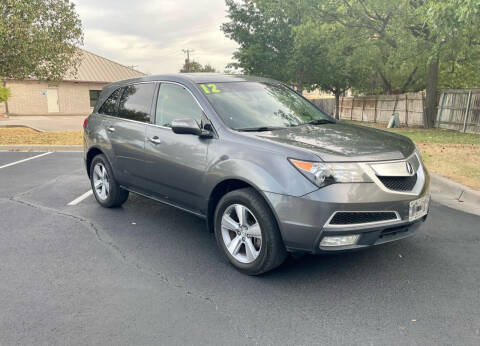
x: 126, y: 131
x: 175, y: 163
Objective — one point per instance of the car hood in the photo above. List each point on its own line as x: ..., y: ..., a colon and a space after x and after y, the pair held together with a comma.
x: 339, y: 141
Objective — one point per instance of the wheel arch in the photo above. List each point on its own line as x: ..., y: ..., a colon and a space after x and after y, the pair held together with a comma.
x: 225, y: 186
x: 92, y: 152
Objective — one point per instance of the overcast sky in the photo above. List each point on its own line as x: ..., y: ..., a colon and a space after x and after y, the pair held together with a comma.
x: 152, y: 33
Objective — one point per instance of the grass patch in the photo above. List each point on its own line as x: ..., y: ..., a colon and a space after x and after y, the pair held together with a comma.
x: 451, y: 154
x: 429, y: 135
x: 26, y: 136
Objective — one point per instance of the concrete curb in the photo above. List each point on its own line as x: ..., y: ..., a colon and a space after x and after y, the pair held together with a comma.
x: 454, y: 194
x: 24, y: 126
x: 42, y: 148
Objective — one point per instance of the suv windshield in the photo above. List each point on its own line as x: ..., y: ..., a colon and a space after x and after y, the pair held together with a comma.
x: 261, y: 106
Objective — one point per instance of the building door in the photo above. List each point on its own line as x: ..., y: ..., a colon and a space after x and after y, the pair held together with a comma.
x: 52, y: 100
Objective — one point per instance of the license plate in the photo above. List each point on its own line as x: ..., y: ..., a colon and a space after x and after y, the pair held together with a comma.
x: 419, y: 208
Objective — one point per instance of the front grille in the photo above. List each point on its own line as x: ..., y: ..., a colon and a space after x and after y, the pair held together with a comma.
x: 399, y: 183
x: 352, y: 218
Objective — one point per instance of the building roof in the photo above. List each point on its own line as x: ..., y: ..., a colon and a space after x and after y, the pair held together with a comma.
x: 94, y: 68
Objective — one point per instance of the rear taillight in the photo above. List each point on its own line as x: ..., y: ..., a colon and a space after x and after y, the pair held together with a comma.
x: 85, y: 122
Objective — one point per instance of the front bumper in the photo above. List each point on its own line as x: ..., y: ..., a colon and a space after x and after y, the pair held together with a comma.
x: 303, y: 221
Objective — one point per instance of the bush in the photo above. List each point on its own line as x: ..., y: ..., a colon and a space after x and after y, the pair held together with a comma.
x: 4, y: 94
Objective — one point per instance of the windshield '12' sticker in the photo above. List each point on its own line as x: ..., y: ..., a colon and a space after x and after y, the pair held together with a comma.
x: 210, y: 88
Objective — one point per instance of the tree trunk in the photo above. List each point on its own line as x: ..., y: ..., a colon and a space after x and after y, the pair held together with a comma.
x: 300, y: 87
x: 337, y: 105
x: 431, y: 93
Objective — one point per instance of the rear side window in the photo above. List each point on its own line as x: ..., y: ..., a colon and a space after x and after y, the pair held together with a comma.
x: 136, y: 101
x: 176, y: 102
x: 110, y: 104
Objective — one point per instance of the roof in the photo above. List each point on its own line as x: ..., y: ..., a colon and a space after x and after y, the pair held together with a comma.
x: 197, y: 78
x: 94, y: 68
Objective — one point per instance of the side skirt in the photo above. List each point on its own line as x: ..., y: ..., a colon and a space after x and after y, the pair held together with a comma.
x: 161, y: 200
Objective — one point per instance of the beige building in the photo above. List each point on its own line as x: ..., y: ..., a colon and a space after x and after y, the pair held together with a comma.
x: 75, y: 95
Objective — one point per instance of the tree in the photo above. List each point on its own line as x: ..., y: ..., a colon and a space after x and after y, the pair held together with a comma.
x: 197, y: 67
x: 263, y: 30
x: 285, y: 40
x: 417, y: 38
x: 331, y: 67
x: 38, y: 39
x: 369, y: 46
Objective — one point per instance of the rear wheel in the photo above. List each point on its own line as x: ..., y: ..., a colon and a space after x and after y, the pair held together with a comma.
x: 106, y: 190
x: 247, y: 233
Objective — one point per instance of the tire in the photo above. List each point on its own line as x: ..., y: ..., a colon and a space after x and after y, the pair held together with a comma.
x: 268, y: 251
x: 114, y: 196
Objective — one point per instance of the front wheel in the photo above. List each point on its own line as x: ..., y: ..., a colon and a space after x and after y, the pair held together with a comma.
x: 247, y: 233
x: 106, y: 190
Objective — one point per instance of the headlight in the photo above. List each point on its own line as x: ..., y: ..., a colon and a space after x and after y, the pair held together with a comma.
x: 322, y: 174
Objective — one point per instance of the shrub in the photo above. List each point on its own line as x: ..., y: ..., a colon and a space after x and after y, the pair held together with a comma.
x: 4, y: 94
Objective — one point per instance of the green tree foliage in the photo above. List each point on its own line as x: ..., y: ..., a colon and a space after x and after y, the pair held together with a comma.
x: 333, y: 68
x: 371, y: 46
x: 426, y: 36
x: 38, y: 39
x: 4, y: 94
x: 263, y: 29
x: 197, y: 67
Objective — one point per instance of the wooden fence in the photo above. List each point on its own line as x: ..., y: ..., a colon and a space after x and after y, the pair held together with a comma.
x: 379, y: 108
x: 459, y: 110
x: 325, y: 104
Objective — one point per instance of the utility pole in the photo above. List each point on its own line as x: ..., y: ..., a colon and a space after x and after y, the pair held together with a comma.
x: 187, y: 61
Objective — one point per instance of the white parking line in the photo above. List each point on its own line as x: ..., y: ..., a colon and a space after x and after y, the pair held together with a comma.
x: 81, y: 198
x: 27, y: 159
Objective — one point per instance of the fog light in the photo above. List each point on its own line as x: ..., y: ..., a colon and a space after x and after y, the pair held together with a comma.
x: 340, y: 240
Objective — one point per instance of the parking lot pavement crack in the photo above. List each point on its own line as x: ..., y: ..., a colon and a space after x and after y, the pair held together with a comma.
x: 40, y: 186
x: 111, y: 245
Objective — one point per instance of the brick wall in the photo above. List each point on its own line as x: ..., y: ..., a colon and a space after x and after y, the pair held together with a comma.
x: 30, y: 97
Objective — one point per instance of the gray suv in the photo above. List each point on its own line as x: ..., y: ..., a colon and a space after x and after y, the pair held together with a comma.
x: 268, y: 171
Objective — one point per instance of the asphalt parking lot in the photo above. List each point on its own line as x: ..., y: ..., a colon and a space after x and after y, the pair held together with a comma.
x: 148, y: 274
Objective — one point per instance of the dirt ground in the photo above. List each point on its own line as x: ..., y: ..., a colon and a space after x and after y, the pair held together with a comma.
x: 22, y: 136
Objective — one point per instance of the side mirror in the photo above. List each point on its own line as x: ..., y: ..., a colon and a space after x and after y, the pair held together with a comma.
x: 186, y: 126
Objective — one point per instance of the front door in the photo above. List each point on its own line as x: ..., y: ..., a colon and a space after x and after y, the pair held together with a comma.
x: 175, y: 163
x: 52, y: 100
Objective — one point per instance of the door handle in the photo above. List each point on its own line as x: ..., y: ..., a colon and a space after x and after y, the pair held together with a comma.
x: 111, y: 129
x: 155, y: 140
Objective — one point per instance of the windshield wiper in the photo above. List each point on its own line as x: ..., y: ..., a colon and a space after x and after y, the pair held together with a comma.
x: 260, y: 129
x: 320, y: 122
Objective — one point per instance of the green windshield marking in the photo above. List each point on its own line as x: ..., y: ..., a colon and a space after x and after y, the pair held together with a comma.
x: 252, y: 104
x: 210, y: 88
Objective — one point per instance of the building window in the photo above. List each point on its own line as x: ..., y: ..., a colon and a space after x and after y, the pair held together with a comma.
x: 94, y: 96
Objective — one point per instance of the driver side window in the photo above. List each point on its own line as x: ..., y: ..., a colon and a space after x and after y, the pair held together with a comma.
x: 176, y: 102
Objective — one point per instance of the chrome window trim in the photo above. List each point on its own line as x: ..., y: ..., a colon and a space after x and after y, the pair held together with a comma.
x: 417, y: 189
x: 328, y: 225
x: 119, y: 118
x: 155, y: 106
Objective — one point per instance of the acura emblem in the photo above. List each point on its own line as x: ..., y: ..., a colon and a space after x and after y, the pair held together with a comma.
x: 409, y: 168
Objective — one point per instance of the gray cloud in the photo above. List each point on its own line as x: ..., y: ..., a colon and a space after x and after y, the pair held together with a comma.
x: 152, y: 33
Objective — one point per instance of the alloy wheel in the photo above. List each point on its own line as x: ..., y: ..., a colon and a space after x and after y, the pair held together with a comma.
x: 101, y: 181
x: 241, y: 233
